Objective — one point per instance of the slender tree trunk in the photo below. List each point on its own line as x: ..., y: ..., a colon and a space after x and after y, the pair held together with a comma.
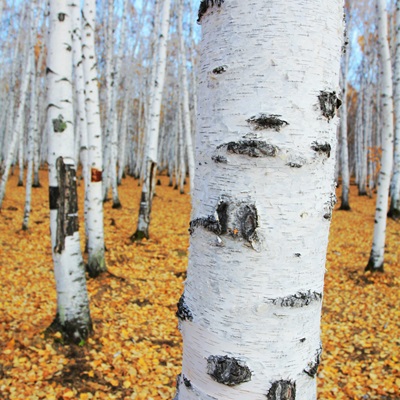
x: 94, y: 216
x: 151, y: 158
x: 344, y: 152
x: 376, y: 259
x: 394, y: 209
x: 263, y: 198
x: 73, y: 316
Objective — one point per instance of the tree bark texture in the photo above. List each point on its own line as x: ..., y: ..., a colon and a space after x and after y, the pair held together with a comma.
x: 263, y: 196
x: 73, y: 316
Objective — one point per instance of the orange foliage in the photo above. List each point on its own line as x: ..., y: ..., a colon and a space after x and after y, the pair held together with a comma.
x: 135, y: 351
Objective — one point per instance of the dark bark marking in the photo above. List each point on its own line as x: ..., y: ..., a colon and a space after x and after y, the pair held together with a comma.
x: 228, y: 370
x: 267, y: 121
x: 205, y: 5
x: 300, y: 299
x: 248, y: 221
x: 220, y: 70
x: 54, y: 193
x: 238, y: 220
x: 294, y: 165
x: 282, y: 390
x: 186, y: 382
x: 322, y: 148
x: 48, y: 71
x: 67, y: 216
x: 222, y: 212
x: 59, y: 124
x: 96, y: 175
x: 329, y: 103
x: 328, y: 216
x: 209, y: 223
x: 251, y: 148
x: 312, y: 367
x: 219, y: 159
x: 183, y: 312
x: 61, y: 17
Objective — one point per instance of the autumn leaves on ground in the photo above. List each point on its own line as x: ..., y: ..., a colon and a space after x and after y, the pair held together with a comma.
x: 135, y: 351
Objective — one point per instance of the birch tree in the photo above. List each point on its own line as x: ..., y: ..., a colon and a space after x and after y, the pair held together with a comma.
x: 151, y: 157
x: 73, y: 316
x: 376, y: 259
x: 94, y: 193
x: 262, y: 201
x: 394, y: 210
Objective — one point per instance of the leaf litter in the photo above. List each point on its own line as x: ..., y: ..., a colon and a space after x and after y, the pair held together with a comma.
x: 135, y: 351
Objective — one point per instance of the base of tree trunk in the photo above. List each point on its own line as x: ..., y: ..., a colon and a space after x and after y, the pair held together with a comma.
x: 138, y: 236
x: 20, y: 183
x: 371, y: 266
x: 96, y: 265
x: 73, y: 331
x: 116, y: 204
x: 394, y: 214
x: 362, y: 193
x: 36, y: 185
x: 344, y: 206
x: 24, y: 227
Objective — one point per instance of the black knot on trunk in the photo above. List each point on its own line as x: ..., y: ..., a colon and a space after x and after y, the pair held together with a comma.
x: 329, y: 103
x: 282, y: 390
x: 323, y: 148
x: 251, y: 148
x: 267, y: 121
x: 205, y: 5
x: 183, y: 312
x: 228, y: 370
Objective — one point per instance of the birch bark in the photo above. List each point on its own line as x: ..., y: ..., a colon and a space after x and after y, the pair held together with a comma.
x: 73, y: 316
x: 376, y: 258
x: 394, y: 210
x: 94, y: 194
x: 262, y: 200
x: 151, y: 157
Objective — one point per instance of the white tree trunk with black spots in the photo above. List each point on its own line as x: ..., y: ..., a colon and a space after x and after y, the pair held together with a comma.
x: 94, y: 195
x: 376, y: 259
x: 394, y: 210
x: 73, y: 316
x: 153, y: 126
x: 263, y: 196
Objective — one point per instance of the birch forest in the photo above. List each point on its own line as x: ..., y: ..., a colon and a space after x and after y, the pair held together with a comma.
x: 199, y: 199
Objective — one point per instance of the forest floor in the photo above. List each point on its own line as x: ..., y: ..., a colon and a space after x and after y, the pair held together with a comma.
x: 135, y: 350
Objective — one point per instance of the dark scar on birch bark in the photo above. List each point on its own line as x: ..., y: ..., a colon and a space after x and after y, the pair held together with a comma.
x: 251, y: 148
x: 294, y: 165
x: 219, y: 159
x: 222, y: 212
x: 205, y: 5
x: 249, y: 221
x: 96, y: 175
x: 183, y: 312
x: 54, y: 193
x: 67, y: 215
x: 329, y: 103
x: 312, y: 367
x: 61, y: 17
x: 282, y: 390
x: 322, y: 148
x: 59, y: 124
x: 219, y: 70
x: 300, y: 299
x: 228, y: 370
x: 186, y: 382
x: 267, y: 121
x: 209, y: 223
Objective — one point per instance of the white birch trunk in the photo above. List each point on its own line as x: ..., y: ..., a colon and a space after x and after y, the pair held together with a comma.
x: 263, y: 197
x: 151, y: 157
x: 394, y: 210
x: 376, y: 259
x: 73, y: 316
x: 94, y: 194
x: 185, y: 96
x: 17, y: 131
x: 344, y: 152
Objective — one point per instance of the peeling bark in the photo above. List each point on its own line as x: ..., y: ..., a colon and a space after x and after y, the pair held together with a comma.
x: 67, y: 204
x: 312, y: 367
